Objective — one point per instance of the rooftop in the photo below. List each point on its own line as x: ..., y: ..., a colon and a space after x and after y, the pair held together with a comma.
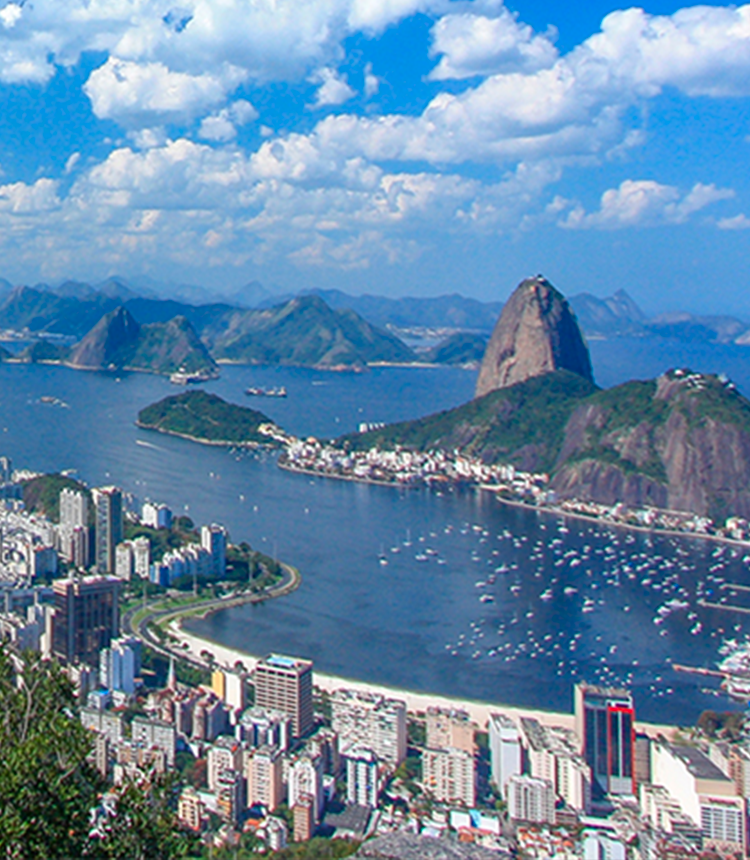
x: 409, y: 846
x: 698, y: 763
x: 280, y: 661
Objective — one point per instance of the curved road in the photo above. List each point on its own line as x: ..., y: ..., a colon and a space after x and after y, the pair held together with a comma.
x: 142, y: 627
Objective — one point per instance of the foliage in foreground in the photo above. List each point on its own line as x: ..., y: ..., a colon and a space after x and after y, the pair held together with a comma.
x: 48, y: 787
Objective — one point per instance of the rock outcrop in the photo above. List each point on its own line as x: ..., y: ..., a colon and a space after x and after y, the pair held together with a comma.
x: 107, y: 343
x: 537, y: 333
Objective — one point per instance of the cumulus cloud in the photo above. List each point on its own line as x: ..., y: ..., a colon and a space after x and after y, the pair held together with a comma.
x: 372, y: 82
x: 637, y: 203
x: 333, y: 89
x: 222, y: 126
x: 470, y: 45
x: 136, y: 93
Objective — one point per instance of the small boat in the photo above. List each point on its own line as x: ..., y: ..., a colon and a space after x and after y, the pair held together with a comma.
x: 256, y: 391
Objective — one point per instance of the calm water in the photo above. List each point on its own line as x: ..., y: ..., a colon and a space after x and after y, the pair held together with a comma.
x: 506, y: 604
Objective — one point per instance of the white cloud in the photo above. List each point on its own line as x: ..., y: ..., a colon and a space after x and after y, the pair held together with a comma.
x: 135, y: 93
x: 10, y: 15
x: 638, y: 203
x: 222, y: 126
x: 372, y: 82
x: 18, y: 198
x: 470, y: 45
x: 736, y: 222
x: 333, y: 89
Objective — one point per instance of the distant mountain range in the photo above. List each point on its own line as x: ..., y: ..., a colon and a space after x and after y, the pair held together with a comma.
x: 327, y: 327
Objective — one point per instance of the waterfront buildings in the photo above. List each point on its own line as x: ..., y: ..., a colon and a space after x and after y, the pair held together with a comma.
x: 449, y: 728
x: 156, y: 516
x: 86, y: 617
x: 214, y: 542
x: 108, y: 527
x: 285, y: 684
x: 505, y: 750
x: 604, y: 722
x: 371, y: 721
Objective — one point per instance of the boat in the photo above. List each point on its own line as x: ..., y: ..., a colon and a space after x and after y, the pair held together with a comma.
x: 184, y: 377
x: 256, y: 391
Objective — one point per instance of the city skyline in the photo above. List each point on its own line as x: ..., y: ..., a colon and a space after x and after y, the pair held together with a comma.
x: 417, y: 147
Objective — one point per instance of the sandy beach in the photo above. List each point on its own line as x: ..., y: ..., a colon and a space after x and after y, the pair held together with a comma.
x: 478, y: 711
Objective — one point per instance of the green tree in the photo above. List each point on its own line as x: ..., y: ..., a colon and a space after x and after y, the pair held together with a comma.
x: 141, y: 825
x: 47, y: 786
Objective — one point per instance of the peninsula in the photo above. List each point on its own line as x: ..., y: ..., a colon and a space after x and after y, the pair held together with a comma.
x: 206, y: 418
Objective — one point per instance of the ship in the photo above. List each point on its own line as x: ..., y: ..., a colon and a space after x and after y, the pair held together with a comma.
x: 255, y: 391
x: 184, y: 377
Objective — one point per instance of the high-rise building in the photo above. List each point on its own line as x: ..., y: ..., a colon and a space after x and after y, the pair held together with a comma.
x: 285, y: 684
x: 449, y: 727
x: 124, y: 561
x: 305, y: 779
x: 371, y: 721
x: 74, y: 530
x: 505, y: 750
x: 86, y: 617
x: 224, y: 756
x: 6, y: 470
x: 531, y: 799
x: 449, y: 775
x: 108, y: 527
x: 604, y: 721
x: 119, y: 665
x: 363, y: 777
x: 265, y: 727
x: 141, y: 557
x: 74, y: 508
x: 214, y: 541
x: 265, y: 781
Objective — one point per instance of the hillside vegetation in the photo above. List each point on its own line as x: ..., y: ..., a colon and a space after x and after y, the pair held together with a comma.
x: 205, y: 417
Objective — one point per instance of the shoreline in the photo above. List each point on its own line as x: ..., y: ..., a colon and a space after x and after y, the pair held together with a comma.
x: 215, y: 443
x: 416, y: 700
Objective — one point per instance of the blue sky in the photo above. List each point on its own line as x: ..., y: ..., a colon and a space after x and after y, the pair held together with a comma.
x: 389, y: 146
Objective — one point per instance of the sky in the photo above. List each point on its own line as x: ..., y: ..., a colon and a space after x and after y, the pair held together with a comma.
x: 397, y: 147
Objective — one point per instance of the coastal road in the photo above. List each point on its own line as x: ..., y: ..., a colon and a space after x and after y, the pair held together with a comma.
x: 133, y: 624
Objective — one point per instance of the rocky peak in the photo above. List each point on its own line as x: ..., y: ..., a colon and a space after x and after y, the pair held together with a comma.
x: 536, y: 333
x: 102, y: 346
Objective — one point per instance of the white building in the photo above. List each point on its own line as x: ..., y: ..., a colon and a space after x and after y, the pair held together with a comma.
x: 124, y: 561
x: 531, y: 799
x: 505, y: 750
x: 119, y: 665
x: 363, y: 777
x: 305, y: 779
x: 449, y: 775
x: 225, y: 756
x: 141, y: 556
x: 156, y: 516
x: 267, y: 727
x: 706, y: 795
x: 370, y: 721
x: 552, y: 753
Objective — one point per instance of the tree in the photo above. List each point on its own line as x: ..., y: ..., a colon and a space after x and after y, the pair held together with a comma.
x: 47, y: 786
x: 139, y: 824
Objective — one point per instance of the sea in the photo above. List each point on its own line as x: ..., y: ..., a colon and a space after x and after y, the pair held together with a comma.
x: 448, y: 592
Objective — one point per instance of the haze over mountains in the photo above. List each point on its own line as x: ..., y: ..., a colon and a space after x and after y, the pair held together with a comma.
x: 73, y: 308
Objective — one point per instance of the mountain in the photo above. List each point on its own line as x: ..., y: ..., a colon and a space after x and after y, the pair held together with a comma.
x: 615, y: 316
x: 681, y: 441
x: 41, y: 351
x: 700, y: 329
x: 460, y: 348
x: 108, y: 343
x: 304, y: 331
x: 448, y: 311
x: 118, y: 341
x: 41, y: 310
x: 536, y: 333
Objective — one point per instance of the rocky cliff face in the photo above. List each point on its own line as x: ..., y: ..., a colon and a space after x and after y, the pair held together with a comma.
x: 106, y: 343
x: 537, y: 333
x: 681, y: 442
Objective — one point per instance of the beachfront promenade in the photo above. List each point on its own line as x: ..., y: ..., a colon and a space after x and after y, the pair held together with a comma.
x: 193, y: 646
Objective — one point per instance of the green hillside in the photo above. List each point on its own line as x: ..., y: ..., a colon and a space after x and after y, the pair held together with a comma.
x: 304, y: 332
x: 523, y: 424
x: 205, y: 417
